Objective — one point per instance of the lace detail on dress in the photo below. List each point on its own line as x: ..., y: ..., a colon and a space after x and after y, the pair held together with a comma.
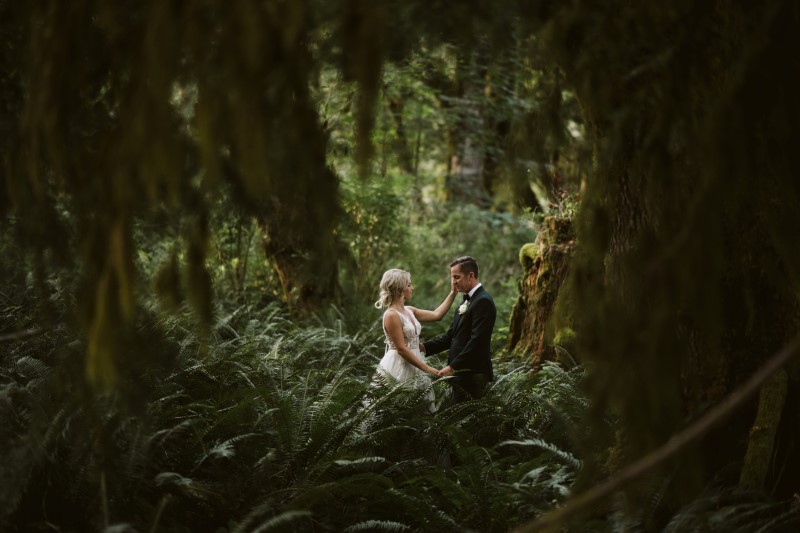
x: 411, y: 331
x: 394, y: 366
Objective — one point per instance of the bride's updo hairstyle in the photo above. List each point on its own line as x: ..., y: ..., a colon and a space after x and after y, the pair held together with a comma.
x: 393, y: 283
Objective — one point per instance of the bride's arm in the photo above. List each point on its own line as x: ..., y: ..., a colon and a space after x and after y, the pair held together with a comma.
x: 394, y: 327
x: 423, y: 315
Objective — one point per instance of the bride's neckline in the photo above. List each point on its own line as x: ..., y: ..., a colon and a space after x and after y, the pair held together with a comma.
x: 402, y: 312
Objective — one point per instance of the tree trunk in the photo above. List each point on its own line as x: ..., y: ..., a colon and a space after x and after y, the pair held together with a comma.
x: 464, y: 182
x: 545, y: 265
x: 405, y: 160
x: 687, y: 275
x: 761, y: 440
x: 308, y: 277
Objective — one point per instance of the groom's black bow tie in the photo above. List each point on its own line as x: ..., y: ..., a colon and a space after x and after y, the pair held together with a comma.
x: 466, y: 297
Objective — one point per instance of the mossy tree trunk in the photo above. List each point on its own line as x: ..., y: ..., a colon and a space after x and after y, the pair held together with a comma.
x: 761, y: 439
x: 686, y: 275
x: 533, y: 334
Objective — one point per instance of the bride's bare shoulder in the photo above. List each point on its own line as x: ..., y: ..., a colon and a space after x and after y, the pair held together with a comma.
x: 390, y: 315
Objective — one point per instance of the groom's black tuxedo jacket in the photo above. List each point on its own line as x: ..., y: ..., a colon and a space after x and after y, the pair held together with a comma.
x: 469, y: 337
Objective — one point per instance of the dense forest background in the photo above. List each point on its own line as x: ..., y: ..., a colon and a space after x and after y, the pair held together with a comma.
x: 198, y: 200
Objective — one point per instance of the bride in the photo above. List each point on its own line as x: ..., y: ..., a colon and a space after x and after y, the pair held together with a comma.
x: 403, y: 360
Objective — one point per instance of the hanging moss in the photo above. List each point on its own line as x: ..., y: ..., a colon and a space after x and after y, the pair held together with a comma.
x: 687, y: 270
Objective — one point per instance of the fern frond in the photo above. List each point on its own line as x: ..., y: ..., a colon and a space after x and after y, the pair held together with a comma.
x: 734, y: 510
x: 279, y: 522
x: 377, y: 525
x: 30, y: 368
x: 120, y: 528
x: 225, y: 449
x: 556, y: 451
x: 788, y: 520
x: 362, y: 462
x: 366, y: 484
x: 172, y: 478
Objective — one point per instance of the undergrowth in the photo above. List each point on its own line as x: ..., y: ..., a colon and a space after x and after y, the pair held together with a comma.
x: 273, y: 427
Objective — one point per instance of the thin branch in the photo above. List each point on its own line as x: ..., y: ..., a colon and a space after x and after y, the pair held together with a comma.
x: 676, y: 443
x: 20, y: 335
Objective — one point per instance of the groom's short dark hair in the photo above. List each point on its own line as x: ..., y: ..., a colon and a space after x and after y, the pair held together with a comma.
x: 468, y: 264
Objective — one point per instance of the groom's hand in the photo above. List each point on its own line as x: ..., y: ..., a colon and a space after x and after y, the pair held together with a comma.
x: 422, y: 347
x: 446, y: 371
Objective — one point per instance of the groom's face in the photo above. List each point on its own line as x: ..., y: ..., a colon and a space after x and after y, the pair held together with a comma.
x: 462, y: 281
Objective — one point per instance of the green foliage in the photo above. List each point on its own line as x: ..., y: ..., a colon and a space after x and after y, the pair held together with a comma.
x: 458, y: 230
x: 239, y: 268
x: 124, y: 123
x: 277, y: 427
x: 735, y: 510
x: 374, y: 231
x: 143, y: 128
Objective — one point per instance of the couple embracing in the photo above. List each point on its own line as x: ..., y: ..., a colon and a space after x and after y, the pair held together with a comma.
x: 469, y: 363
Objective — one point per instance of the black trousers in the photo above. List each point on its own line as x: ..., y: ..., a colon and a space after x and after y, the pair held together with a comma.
x: 468, y: 386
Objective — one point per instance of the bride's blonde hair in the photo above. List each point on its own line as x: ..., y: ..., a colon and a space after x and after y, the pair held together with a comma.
x: 393, y: 283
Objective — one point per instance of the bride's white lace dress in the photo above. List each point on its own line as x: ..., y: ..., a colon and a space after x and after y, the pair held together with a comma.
x: 398, y: 368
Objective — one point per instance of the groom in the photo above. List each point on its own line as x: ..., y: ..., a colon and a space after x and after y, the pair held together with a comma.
x: 469, y: 337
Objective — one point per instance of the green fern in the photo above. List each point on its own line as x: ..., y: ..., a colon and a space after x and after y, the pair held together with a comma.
x: 286, y: 519
x: 737, y: 511
x: 377, y: 525
x: 554, y: 450
x: 280, y: 427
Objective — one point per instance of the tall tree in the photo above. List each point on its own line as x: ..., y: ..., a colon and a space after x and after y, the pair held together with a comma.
x: 118, y: 112
x: 688, y: 274
x: 688, y: 270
